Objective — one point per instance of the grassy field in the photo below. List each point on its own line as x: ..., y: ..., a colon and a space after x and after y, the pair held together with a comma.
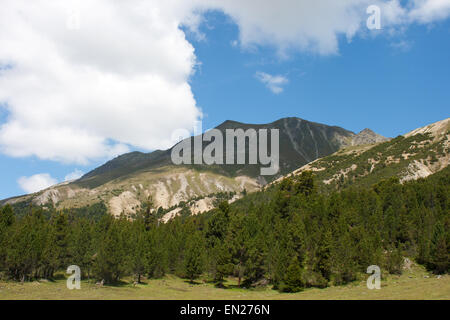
x: 415, y: 284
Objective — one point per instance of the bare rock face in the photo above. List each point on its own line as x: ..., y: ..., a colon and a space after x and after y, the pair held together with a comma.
x: 367, y: 136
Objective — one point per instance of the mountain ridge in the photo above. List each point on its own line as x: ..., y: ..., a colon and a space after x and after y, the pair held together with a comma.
x: 289, y: 141
x: 416, y: 154
x: 126, y: 182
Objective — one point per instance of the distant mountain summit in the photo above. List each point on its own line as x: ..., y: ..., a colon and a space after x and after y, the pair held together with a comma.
x: 367, y: 136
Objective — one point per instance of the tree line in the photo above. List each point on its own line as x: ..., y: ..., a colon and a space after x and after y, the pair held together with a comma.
x: 290, y: 236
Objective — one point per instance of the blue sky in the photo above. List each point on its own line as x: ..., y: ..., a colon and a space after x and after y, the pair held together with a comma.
x: 370, y: 83
x: 389, y: 82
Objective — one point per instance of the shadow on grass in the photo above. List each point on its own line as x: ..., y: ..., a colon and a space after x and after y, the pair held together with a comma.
x: 193, y: 282
x: 56, y: 277
x: 233, y: 286
x: 117, y: 284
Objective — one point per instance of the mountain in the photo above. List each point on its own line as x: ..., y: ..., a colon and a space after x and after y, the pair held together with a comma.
x: 367, y: 136
x: 127, y: 181
x: 301, y: 141
x: 417, y: 154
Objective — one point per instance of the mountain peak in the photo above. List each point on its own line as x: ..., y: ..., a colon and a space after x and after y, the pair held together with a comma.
x: 368, y: 136
x: 227, y: 122
x: 367, y: 131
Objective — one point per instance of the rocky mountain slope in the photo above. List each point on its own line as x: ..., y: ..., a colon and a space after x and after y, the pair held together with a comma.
x: 367, y: 136
x: 417, y: 154
x: 126, y: 182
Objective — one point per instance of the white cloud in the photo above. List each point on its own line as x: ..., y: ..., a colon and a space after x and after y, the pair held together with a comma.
x: 426, y: 11
x: 74, y: 95
x: 304, y: 25
x: 316, y: 26
x: 273, y: 83
x: 36, y: 182
x: 120, y: 77
x: 42, y: 181
x: 76, y: 174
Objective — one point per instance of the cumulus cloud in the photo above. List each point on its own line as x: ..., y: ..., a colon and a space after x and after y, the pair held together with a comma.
x: 316, y: 26
x: 36, y: 182
x: 118, y: 78
x: 302, y: 25
x: 425, y: 11
x: 82, y: 80
x: 76, y: 174
x: 273, y: 83
x: 42, y: 181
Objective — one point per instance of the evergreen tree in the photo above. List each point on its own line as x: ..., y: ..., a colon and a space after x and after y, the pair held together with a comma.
x: 304, y: 183
x: 158, y: 252
x: 343, y: 259
x: 223, y: 265
x: 150, y: 219
x: 293, y: 281
x: 255, y: 263
x: 110, y: 260
x: 193, y: 260
x: 81, y: 245
x: 218, y: 224
x: 6, y: 221
x: 255, y: 251
x: 440, y: 256
x: 324, y: 254
x: 56, y: 254
x: 139, y: 250
x: 236, y: 241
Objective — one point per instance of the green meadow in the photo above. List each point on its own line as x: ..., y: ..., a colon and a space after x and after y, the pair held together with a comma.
x: 414, y: 284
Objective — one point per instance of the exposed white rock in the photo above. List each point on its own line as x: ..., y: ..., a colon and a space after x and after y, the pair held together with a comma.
x: 47, y: 196
x: 170, y: 215
x: 126, y: 202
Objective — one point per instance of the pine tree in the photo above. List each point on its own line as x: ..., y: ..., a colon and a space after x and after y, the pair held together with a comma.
x: 193, y: 260
x: 223, y: 265
x: 158, y: 251
x: 6, y: 217
x: 254, y: 265
x: 236, y: 241
x: 324, y: 254
x: 81, y: 246
x: 440, y: 256
x: 6, y: 221
x: 56, y: 253
x: 304, y: 183
x: 218, y: 224
x: 394, y: 260
x: 150, y: 219
x: 110, y: 260
x: 343, y: 259
x: 138, y: 250
x: 293, y: 281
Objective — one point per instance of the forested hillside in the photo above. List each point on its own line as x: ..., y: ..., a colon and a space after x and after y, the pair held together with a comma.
x: 290, y: 236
